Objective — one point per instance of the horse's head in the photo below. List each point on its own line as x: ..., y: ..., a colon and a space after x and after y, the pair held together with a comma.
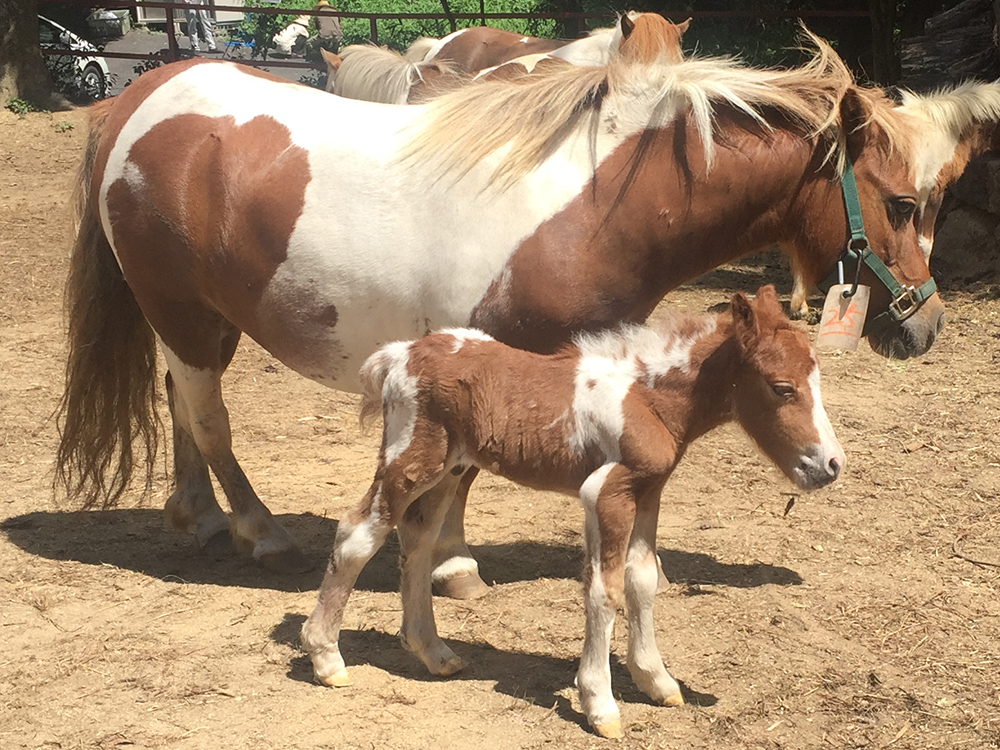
x: 776, y: 395
x: 880, y: 146
x: 647, y: 37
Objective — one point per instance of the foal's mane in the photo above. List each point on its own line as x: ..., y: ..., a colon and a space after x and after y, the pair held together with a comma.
x: 536, y: 113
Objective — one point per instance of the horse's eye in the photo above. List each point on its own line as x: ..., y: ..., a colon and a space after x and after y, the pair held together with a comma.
x: 901, y: 209
x: 783, y: 390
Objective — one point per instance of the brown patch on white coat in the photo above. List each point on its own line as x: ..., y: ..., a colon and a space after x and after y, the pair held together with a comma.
x: 608, y: 418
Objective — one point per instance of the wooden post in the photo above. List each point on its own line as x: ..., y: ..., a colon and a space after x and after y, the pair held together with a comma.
x: 373, y: 25
x: 173, y: 53
x: 885, y: 69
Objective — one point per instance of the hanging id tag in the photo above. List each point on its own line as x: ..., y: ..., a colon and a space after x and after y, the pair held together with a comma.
x: 843, y: 318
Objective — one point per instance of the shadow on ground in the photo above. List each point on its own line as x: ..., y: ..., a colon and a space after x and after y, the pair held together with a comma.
x: 536, y: 678
x: 134, y: 539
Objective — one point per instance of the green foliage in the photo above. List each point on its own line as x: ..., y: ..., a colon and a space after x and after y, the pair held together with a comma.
x: 19, y: 106
x: 259, y: 29
x: 63, y: 126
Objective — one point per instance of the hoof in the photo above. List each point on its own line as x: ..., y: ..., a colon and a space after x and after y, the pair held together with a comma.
x: 286, y: 561
x: 219, y: 545
x: 611, y: 730
x: 674, y: 699
x: 337, y: 679
x: 462, y: 586
x: 450, y: 667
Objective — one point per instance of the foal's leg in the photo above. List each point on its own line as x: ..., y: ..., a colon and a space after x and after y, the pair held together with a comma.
x: 609, y: 510
x: 254, y: 530
x: 359, y: 536
x: 456, y: 573
x: 641, y: 568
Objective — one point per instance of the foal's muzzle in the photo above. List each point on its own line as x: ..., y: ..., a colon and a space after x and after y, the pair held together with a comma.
x: 817, y: 469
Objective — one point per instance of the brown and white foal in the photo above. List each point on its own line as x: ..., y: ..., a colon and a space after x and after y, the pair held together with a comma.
x: 607, y: 418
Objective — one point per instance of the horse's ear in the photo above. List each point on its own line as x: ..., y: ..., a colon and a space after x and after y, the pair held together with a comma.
x: 628, y: 25
x: 683, y: 26
x: 744, y: 321
x: 855, y: 114
x: 332, y: 59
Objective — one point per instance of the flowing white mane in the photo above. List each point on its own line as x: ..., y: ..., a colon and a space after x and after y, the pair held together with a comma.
x: 534, y: 114
x: 956, y: 110
x: 377, y: 74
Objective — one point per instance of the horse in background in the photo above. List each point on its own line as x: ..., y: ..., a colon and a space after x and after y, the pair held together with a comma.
x: 482, y: 47
x: 608, y: 418
x: 379, y: 74
x: 532, y: 209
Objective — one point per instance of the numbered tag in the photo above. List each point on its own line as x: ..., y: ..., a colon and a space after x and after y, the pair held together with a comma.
x: 843, y: 318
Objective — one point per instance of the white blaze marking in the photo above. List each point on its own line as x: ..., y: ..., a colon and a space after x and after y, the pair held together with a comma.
x: 464, y: 335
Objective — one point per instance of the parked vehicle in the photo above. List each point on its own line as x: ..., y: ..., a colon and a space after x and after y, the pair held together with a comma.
x: 83, y: 77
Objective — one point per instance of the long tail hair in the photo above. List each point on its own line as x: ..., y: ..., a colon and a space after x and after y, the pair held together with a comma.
x: 109, y: 398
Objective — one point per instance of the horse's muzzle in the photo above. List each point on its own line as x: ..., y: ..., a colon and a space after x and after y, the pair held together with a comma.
x: 910, y: 338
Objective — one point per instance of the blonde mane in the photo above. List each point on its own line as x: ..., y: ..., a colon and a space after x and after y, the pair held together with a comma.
x: 378, y: 74
x: 536, y: 113
x: 955, y: 111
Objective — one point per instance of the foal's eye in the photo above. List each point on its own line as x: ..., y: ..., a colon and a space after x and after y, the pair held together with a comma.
x: 783, y: 390
x: 901, y: 209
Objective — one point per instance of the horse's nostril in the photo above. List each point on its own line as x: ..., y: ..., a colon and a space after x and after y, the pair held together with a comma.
x: 940, y: 322
x: 834, y: 467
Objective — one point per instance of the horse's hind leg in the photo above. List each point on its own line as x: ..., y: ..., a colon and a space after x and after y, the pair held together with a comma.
x: 253, y: 528
x: 418, y: 530
x: 192, y: 507
x: 456, y: 573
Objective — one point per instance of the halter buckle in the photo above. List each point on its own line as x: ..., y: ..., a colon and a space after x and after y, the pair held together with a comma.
x: 904, y: 304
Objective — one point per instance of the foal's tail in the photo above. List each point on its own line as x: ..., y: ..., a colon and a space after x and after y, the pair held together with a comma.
x: 373, y: 374
x: 109, y: 399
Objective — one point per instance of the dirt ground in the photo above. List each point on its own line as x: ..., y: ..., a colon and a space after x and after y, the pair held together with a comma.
x: 850, y: 622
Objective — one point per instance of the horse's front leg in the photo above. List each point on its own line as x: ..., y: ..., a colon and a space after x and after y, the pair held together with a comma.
x: 456, y: 573
x: 609, y: 511
x: 641, y: 573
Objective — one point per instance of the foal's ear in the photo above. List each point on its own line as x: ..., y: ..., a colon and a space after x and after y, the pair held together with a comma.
x: 682, y: 27
x: 745, y: 325
x: 767, y: 301
x: 855, y: 114
x: 628, y: 25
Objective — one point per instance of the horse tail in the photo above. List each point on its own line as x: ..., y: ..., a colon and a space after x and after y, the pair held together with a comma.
x: 110, y: 390
x: 419, y: 48
x: 373, y: 374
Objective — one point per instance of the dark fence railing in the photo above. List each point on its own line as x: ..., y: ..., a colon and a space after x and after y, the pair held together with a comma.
x: 173, y: 51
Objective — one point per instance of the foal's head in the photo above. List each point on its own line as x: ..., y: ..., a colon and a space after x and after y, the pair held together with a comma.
x: 776, y: 392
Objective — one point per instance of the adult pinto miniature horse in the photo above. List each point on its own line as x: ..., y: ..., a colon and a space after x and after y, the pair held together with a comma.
x: 378, y: 74
x: 482, y: 47
x: 531, y: 209
x: 608, y: 418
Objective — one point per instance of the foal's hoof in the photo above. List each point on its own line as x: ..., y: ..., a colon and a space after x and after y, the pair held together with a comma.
x: 285, y: 561
x: 674, y: 699
x: 462, y: 586
x: 611, y: 730
x: 338, y: 679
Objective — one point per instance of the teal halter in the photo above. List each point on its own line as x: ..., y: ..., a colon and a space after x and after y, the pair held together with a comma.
x: 906, y: 300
